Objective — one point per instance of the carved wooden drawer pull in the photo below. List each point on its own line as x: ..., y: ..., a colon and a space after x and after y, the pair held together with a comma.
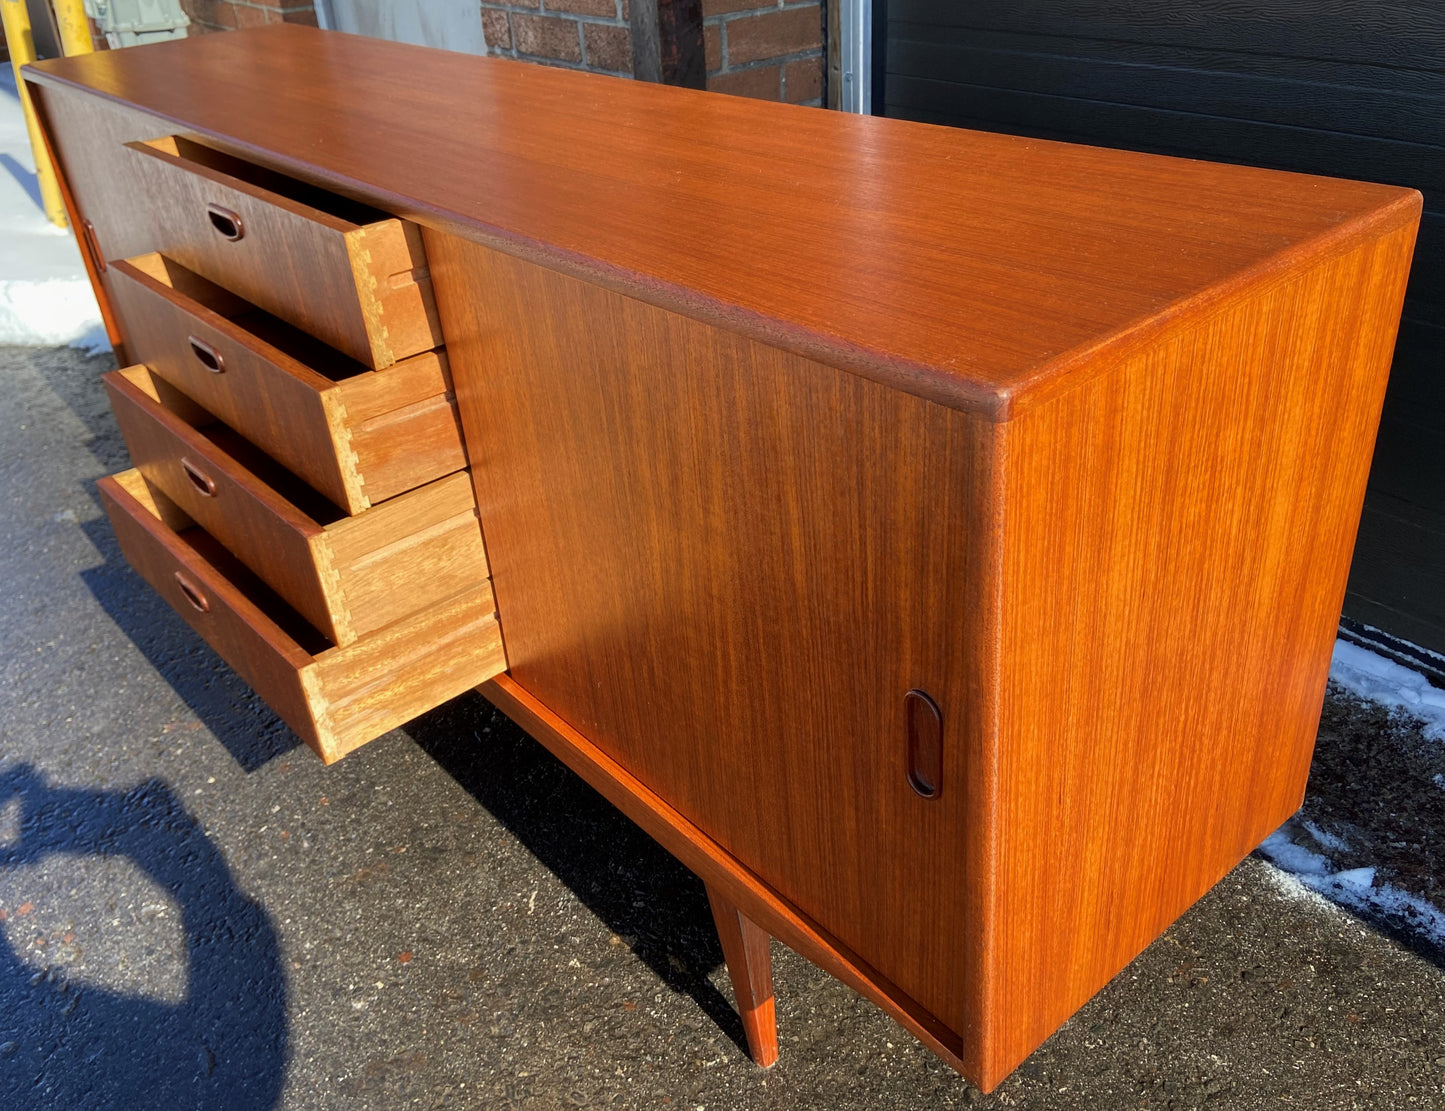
x: 207, y: 355
x: 226, y: 221
x: 193, y: 593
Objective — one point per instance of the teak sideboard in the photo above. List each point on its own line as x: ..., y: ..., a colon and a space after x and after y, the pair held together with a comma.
x: 934, y: 538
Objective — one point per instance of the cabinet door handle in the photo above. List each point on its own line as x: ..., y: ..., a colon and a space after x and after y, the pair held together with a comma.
x: 207, y: 355
x: 925, y: 743
x: 205, y: 485
x: 193, y: 593
x: 226, y: 221
x: 93, y: 245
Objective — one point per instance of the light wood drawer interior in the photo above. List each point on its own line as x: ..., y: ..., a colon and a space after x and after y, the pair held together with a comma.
x: 357, y: 435
x: 349, y: 576
x: 348, y: 274
x: 334, y: 698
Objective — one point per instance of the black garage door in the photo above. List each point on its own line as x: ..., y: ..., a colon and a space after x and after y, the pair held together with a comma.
x: 1353, y: 88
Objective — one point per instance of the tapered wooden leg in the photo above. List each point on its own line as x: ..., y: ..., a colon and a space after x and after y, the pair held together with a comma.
x: 746, y: 946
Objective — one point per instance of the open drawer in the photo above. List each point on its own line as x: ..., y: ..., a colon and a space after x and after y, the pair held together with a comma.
x: 359, y: 436
x: 347, y: 575
x: 336, y: 699
x: 347, y: 273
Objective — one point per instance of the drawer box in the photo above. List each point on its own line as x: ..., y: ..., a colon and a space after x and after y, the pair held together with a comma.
x: 348, y: 274
x: 348, y: 576
x: 358, y: 436
x: 336, y: 699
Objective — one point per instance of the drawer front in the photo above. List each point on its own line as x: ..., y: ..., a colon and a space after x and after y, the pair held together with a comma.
x: 336, y: 699
x: 262, y: 529
x: 361, y: 287
x: 356, y: 436
x: 349, y: 576
x: 241, y: 633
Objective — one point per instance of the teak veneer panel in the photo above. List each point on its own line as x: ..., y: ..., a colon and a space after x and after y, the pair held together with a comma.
x: 358, y: 436
x: 984, y: 271
x: 1176, y: 539
x: 726, y: 568
x: 349, y: 576
x: 336, y: 699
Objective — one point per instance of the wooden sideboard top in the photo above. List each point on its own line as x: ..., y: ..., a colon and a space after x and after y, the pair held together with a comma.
x: 982, y: 271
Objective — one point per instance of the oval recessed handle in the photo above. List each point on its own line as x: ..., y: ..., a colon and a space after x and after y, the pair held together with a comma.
x: 204, y: 483
x: 193, y: 593
x: 226, y: 221
x: 207, y: 355
x: 925, y: 743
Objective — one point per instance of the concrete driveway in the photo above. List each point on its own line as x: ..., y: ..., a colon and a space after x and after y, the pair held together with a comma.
x: 197, y: 914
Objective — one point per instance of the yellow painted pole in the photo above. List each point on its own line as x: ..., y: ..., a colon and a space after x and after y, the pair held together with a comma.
x: 74, y: 27
x: 22, y: 50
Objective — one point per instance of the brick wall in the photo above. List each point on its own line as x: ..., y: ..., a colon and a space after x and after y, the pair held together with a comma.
x: 771, y: 50
x: 579, y: 34
x: 227, y: 15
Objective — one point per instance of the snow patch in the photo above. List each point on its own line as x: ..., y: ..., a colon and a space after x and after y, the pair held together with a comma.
x: 1327, y: 840
x: 1363, y: 673
x: 59, y: 312
x: 1354, y: 888
x: 45, y: 296
x: 1294, y: 859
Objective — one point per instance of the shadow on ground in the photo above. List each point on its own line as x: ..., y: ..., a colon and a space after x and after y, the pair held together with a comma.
x: 654, y: 904
x: 222, y: 1044
x: 25, y: 178
x: 222, y: 701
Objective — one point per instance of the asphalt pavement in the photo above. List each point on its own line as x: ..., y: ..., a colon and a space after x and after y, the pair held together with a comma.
x: 195, y: 913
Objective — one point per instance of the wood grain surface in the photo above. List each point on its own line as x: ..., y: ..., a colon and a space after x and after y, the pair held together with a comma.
x: 405, y: 669
x: 351, y: 285
x: 406, y: 554
x: 246, y: 637
x: 342, y: 270
x: 358, y: 436
x: 1315, y: 86
x: 726, y: 567
x: 336, y: 699
x: 349, y: 576
x: 1168, y: 621
x: 259, y: 526
x: 1128, y: 645
x: 402, y: 425
x: 84, y: 134
x: 797, y: 227
x: 748, y: 950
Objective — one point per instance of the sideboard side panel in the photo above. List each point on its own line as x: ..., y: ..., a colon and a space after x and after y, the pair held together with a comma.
x: 1177, y: 542
x: 88, y: 133
x: 725, y: 566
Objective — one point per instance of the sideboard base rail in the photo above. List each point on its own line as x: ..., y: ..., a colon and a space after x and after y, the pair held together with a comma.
x: 733, y: 888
